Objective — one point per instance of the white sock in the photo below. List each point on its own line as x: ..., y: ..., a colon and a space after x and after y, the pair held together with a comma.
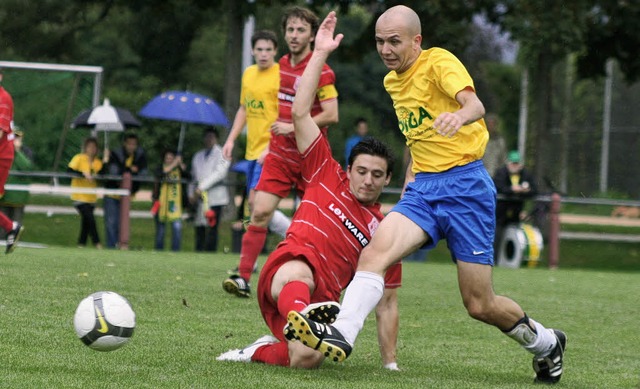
x: 540, y: 343
x: 279, y: 223
x: 361, y: 297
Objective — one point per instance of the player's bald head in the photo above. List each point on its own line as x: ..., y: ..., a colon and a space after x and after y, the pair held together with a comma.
x: 401, y: 16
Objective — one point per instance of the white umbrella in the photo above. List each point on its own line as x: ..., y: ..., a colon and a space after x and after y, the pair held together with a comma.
x: 106, y: 118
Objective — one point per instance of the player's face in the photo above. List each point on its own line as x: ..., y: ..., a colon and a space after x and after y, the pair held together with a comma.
x: 264, y: 53
x: 367, y: 177
x: 396, y: 46
x: 298, y: 36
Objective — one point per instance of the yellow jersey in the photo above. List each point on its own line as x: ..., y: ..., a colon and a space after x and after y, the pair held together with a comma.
x: 259, y: 96
x: 420, y: 94
x: 80, y: 163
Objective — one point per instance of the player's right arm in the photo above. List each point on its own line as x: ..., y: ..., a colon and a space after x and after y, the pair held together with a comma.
x: 238, y: 124
x: 306, y: 129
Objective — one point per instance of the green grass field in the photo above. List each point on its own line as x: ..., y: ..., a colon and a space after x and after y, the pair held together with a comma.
x: 175, y: 345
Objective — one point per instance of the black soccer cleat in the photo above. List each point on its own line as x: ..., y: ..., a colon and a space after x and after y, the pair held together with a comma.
x: 549, y: 369
x: 13, y: 237
x: 322, y: 337
x: 324, y: 312
x: 237, y: 285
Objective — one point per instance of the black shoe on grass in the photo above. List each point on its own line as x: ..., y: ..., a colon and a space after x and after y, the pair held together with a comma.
x: 324, y: 312
x: 13, y: 237
x: 322, y: 337
x: 237, y: 285
x: 549, y: 369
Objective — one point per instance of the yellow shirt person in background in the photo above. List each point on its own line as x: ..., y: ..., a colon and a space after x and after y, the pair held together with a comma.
x: 87, y: 164
x: 258, y: 106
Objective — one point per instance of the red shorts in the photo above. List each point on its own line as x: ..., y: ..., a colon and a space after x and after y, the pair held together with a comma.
x: 323, y: 292
x: 6, y: 159
x: 280, y: 175
x: 268, y: 306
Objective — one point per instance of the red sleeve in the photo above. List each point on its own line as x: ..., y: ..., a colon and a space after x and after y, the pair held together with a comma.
x: 327, y: 77
x: 317, y: 161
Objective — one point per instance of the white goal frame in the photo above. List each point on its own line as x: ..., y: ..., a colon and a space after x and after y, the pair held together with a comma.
x: 95, y: 70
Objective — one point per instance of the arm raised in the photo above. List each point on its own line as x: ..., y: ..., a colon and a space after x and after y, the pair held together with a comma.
x: 306, y: 130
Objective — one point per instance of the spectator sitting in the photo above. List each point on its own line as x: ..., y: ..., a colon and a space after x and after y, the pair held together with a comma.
x: 516, y: 184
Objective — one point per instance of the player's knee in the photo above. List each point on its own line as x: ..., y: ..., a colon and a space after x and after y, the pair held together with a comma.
x: 372, y: 261
x: 477, y: 309
x: 261, y: 216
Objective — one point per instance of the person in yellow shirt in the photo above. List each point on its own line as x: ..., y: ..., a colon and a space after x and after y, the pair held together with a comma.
x: 86, y: 164
x: 448, y: 194
x: 258, y: 110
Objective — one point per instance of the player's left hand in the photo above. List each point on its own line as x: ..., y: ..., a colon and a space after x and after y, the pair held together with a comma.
x: 448, y: 124
x: 325, y: 41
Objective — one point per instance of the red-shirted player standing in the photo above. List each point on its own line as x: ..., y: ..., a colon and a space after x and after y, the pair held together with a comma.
x: 337, y: 217
x: 281, y: 169
x: 13, y: 229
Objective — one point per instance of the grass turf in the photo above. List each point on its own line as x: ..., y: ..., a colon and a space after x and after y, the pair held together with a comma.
x: 184, y: 320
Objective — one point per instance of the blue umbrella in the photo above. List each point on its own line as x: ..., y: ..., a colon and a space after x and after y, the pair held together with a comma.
x: 185, y: 107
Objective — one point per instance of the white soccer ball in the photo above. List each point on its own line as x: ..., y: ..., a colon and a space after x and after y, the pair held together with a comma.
x: 104, y: 321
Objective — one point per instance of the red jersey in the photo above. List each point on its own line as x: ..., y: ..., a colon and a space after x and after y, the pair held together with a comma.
x: 329, y: 230
x: 289, y: 79
x: 6, y: 110
x: 330, y: 221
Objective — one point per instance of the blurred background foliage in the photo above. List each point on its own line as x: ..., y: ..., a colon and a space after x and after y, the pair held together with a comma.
x: 149, y: 46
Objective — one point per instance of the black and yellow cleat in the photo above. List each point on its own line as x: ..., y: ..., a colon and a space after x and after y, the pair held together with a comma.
x: 236, y: 285
x: 324, y: 312
x: 322, y: 337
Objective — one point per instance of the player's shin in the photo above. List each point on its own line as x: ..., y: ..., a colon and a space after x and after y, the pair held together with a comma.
x: 533, y: 336
x: 361, y: 297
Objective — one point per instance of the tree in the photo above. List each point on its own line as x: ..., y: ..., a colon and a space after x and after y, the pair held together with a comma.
x: 612, y: 33
x: 548, y: 31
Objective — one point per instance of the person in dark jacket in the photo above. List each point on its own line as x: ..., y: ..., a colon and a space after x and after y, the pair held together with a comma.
x: 129, y: 158
x: 516, y: 184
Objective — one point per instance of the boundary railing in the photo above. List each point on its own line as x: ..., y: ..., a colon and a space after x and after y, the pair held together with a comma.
x: 554, y: 202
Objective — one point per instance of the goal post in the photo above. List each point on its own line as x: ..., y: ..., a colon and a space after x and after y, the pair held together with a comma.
x: 46, y: 99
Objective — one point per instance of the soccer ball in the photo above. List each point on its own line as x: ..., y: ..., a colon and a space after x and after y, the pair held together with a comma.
x: 104, y: 321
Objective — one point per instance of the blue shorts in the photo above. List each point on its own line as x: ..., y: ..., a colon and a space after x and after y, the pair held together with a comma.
x: 457, y: 205
x: 253, y: 174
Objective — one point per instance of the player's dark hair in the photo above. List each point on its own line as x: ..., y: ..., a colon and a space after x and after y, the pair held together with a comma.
x: 303, y: 14
x: 372, y: 146
x: 266, y: 35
